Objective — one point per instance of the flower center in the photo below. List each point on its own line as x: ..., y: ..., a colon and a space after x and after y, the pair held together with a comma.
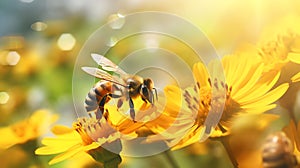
x: 210, y: 98
x: 84, y: 136
x: 92, y: 129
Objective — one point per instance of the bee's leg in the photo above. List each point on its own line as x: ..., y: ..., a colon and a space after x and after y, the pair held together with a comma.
x: 102, y: 102
x: 151, y: 97
x: 114, y: 95
x: 120, y: 103
x: 132, y: 112
x: 155, y: 91
x: 100, y: 110
x: 145, y: 94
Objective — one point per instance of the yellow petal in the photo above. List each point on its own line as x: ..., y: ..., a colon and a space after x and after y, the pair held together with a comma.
x: 91, y: 146
x: 63, y: 143
x: 50, y: 150
x: 236, y: 64
x: 76, y: 149
x: 62, y: 139
x: 61, y: 129
x: 268, y: 98
x: 258, y: 110
x: 10, y: 138
x: 296, y: 78
x: 73, y: 151
x: 253, y: 80
x: 294, y: 57
x: 261, y: 88
x: 191, y: 137
x: 201, y: 74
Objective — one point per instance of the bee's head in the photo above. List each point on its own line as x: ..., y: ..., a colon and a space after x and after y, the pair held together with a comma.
x: 134, y: 84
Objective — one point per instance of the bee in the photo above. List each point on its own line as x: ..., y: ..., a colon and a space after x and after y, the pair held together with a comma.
x: 125, y: 87
x: 278, y: 152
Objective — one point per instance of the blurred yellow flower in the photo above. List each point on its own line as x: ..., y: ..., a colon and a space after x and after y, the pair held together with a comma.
x: 28, y: 129
x: 248, y: 132
x: 247, y: 91
x: 283, y: 54
x: 278, y: 52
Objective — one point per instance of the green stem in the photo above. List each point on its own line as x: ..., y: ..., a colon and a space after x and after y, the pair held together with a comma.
x: 225, y: 142
x: 171, y: 159
x: 114, y: 163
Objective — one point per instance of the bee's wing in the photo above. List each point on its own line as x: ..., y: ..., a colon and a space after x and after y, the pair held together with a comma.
x: 98, y: 73
x: 107, y: 64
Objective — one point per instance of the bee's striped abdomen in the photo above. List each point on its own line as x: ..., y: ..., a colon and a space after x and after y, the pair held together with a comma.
x: 95, y: 95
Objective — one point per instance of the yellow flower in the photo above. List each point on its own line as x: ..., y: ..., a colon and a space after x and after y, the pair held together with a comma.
x: 163, y: 123
x: 87, y: 134
x: 155, y: 120
x: 245, y: 91
x: 26, y: 130
x: 283, y: 54
x: 278, y: 52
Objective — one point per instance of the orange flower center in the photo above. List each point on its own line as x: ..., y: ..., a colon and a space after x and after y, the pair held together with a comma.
x: 84, y: 136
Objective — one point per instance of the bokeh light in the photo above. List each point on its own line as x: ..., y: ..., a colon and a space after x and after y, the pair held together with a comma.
x: 66, y: 42
x: 26, y: 1
x: 39, y: 26
x: 116, y: 21
x: 12, y: 58
x: 4, y: 97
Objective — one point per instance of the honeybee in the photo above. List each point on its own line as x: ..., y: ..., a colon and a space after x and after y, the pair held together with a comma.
x: 278, y: 152
x: 124, y: 87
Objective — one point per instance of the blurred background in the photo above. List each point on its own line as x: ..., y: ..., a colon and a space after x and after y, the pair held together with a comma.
x: 41, y: 39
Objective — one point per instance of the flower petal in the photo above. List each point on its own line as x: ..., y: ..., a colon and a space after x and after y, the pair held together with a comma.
x: 268, y: 98
x: 61, y: 129
x: 251, y: 83
x: 296, y: 78
x: 294, y: 57
x: 76, y: 149
x: 201, y: 74
x: 259, y: 110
